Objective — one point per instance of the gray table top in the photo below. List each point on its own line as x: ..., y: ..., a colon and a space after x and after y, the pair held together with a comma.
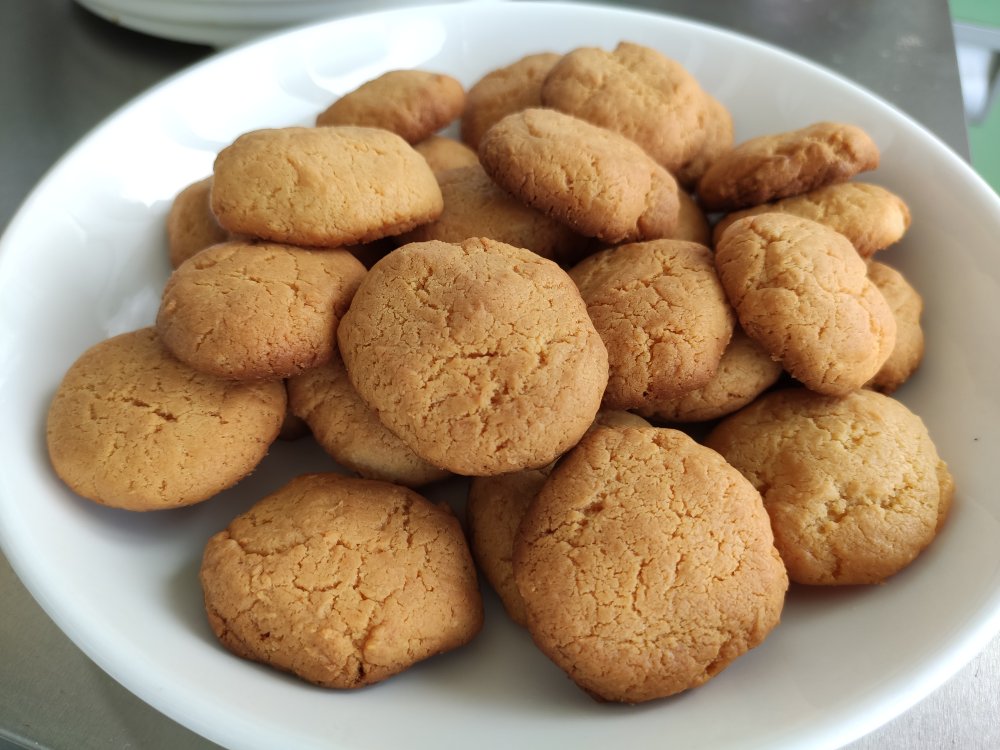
x: 63, y: 70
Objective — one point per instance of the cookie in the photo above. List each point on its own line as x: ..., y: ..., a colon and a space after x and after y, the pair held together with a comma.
x: 494, y: 510
x: 341, y: 581
x: 778, y: 166
x: 414, y: 104
x: 191, y: 225
x: 646, y: 565
x: 131, y: 427
x: 802, y: 292
x: 718, y: 134
x: 870, y: 216
x: 662, y: 314
x: 323, y: 187
x: 503, y: 92
x: 692, y: 224
x: 745, y: 371
x: 597, y: 182
x: 853, y: 485
x: 479, y: 355
x: 245, y: 311
x: 475, y: 206
x: 907, y: 306
x: 351, y: 432
x: 444, y: 153
x: 635, y: 91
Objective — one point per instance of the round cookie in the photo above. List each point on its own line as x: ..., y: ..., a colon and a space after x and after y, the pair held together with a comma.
x: 414, y: 104
x: 745, y: 371
x: 853, y: 485
x: 131, y: 427
x: 662, y: 314
x: 191, y: 225
x: 802, y: 292
x: 503, y: 92
x: 341, y: 581
x: 351, y: 432
x: 475, y: 206
x: 907, y: 306
x: 444, y: 153
x: 479, y: 355
x: 494, y: 510
x: 598, y: 182
x: 244, y: 311
x: 871, y: 217
x: 634, y: 91
x: 778, y: 166
x: 646, y: 565
x: 324, y: 187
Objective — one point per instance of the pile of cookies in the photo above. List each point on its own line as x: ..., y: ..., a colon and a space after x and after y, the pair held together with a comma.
x: 527, y: 306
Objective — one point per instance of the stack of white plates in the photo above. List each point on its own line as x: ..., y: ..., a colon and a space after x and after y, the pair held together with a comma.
x: 222, y: 23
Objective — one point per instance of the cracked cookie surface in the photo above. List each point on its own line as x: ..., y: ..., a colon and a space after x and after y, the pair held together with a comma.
x: 322, y: 187
x: 854, y: 486
x: 245, y: 311
x: 413, y: 104
x: 662, y: 314
x: 350, y: 431
x: 870, y: 216
x: 785, y: 164
x: 646, y: 565
x: 598, y: 182
x: 802, y: 292
x: 132, y: 427
x: 494, y: 510
x: 635, y: 91
x: 480, y: 356
x: 341, y: 581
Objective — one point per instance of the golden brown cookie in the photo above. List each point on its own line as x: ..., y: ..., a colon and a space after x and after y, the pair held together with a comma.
x: 244, y: 311
x: 662, y: 314
x: 635, y: 91
x: 778, y: 166
x: 494, y: 511
x: 718, y: 135
x: 131, y: 427
x: 646, y: 565
x: 802, y: 292
x: 475, y: 206
x: 479, y: 355
x: 503, y: 92
x: 907, y: 306
x: 692, y: 224
x: 853, y: 485
x: 871, y: 217
x: 444, y: 153
x: 351, y: 432
x: 414, y: 104
x: 324, y: 187
x: 191, y: 225
x: 745, y: 371
x: 598, y: 182
x: 343, y: 582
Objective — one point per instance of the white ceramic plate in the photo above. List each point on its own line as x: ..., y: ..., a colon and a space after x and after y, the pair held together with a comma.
x: 85, y: 259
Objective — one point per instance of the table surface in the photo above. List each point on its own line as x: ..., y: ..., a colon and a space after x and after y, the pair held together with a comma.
x: 51, y: 695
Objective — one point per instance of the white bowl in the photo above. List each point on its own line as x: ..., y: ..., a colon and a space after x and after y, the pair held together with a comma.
x: 85, y: 259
